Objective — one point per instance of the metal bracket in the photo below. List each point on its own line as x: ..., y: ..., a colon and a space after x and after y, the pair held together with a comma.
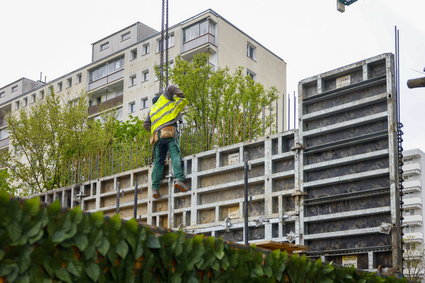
x: 297, y: 146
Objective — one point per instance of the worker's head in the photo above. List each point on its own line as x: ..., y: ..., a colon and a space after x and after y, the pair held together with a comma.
x: 154, y: 99
x: 173, y: 90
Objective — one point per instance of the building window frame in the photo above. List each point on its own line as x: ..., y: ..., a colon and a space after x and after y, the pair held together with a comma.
x: 131, y: 107
x: 171, y: 42
x: 145, y: 75
x: 79, y: 78
x: 133, y: 54
x: 132, y: 81
x: 198, y: 29
x: 251, y: 74
x: 60, y: 86
x: 144, y: 103
x: 104, y: 46
x: 69, y: 82
x: 125, y: 36
x: 24, y: 102
x: 14, y: 88
x: 17, y: 105
x: 41, y: 95
x: 251, y: 51
x: 105, y: 69
x: 33, y: 98
x: 2, y: 94
x: 146, y: 49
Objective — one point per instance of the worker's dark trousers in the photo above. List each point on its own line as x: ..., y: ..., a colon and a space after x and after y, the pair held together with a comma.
x: 160, y: 152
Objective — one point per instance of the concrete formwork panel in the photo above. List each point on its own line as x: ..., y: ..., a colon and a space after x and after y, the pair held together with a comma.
x: 348, y: 155
x: 329, y: 185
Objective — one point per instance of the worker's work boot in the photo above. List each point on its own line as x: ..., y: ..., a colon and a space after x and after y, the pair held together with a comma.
x: 155, y: 194
x: 181, y: 186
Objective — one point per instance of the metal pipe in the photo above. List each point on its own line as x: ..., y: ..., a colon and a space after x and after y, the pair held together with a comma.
x: 117, y: 208
x: 245, y: 187
x: 135, y: 200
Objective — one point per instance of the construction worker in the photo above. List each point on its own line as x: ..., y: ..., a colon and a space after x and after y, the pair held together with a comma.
x: 162, y: 123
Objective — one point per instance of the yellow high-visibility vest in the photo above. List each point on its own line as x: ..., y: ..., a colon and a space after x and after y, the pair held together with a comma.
x: 165, y: 110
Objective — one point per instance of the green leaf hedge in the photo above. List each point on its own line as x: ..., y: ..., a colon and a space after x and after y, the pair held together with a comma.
x: 41, y: 243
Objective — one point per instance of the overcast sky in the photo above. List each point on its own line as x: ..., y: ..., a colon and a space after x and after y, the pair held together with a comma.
x: 54, y: 37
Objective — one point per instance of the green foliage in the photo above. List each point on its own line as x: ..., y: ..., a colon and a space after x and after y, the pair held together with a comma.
x: 50, y: 244
x: 224, y: 108
x: 56, y: 144
x: 47, y: 136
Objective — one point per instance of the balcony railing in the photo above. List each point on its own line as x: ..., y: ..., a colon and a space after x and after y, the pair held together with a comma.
x: 414, y: 185
x: 106, y: 80
x: 199, y: 41
x: 105, y: 105
x: 414, y: 202
x: 413, y: 167
x: 413, y: 219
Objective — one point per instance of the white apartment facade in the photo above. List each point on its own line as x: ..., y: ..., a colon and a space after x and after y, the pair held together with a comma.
x: 121, y: 75
x: 413, y: 213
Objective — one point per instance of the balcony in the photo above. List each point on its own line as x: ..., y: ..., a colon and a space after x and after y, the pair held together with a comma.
x: 203, y: 44
x: 414, y: 202
x: 412, y: 186
x: 105, y: 105
x: 413, y: 219
x: 106, y: 80
x: 412, y: 168
x: 413, y: 237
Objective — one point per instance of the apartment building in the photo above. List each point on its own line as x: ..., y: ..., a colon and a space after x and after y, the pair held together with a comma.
x: 413, y: 213
x: 121, y: 74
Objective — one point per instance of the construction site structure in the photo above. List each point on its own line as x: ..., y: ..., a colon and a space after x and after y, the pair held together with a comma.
x: 332, y: 185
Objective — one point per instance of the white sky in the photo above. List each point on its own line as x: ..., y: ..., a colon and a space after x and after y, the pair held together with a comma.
x: 54, y: 37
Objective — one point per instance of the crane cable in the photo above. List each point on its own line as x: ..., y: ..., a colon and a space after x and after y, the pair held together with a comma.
x: 163, y: 67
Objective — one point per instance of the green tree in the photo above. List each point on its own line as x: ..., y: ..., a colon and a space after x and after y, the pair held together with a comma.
x: 224, y: 108
x: 47, y: 136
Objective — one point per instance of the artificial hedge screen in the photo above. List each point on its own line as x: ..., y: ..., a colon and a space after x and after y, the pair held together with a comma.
x: 40, y: 243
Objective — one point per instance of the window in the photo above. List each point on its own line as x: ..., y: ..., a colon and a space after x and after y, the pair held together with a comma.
x: 144, y: 103
x: 41, y: 94
x: 14, y: 88
x: 251, y: 74
x: 25, y: 102
x: 198, y: 29
x: 146, y: 49
x: 145, y: 75
x: 104, y: 46
x: 106, y: 69
x: 2, y: 94
x: 125, y: 36
x: 133, y: 54
x: 131, y: 107
x: 170, y: 42
x: 59, y: 86
x: 68, y: 82
x: 98, y: 100
x: 33, y: 96
x: 132, y: 81
x: 250, y: 51
x: 17, y: 104
x: 79, y: 78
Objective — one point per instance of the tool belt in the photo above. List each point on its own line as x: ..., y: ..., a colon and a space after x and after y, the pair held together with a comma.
x: 166, y: 132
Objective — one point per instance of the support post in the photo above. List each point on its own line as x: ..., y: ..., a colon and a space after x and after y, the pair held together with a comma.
x: 245, y: 159
x: 117, y: 209
x: 136, y: 192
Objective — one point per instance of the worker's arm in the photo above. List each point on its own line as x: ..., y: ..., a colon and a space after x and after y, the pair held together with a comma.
x: 171, y: 91
x: 147, y: 123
